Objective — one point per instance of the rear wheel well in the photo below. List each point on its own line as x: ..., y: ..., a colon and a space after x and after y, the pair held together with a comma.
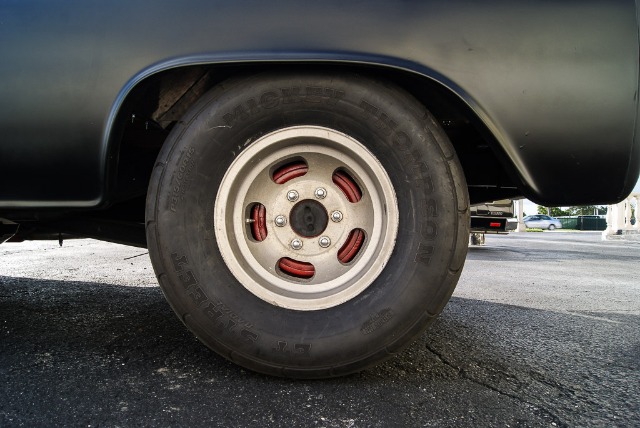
x: 155, y: 105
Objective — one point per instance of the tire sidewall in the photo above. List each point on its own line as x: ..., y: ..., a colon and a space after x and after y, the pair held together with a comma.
x: 229, y: 318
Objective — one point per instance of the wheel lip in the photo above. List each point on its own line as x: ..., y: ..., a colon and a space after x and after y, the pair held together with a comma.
x: 363, y: 271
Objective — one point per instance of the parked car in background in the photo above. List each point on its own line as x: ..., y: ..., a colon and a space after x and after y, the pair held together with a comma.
x: 541, y: 221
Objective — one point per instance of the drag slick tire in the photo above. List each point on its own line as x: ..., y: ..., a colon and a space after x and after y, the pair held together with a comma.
x: 307, y: 224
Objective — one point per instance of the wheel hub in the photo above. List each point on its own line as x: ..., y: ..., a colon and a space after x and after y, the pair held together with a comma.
x: 309, y: 218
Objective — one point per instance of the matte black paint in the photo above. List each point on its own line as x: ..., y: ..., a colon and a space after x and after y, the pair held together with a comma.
x: 555, y: 82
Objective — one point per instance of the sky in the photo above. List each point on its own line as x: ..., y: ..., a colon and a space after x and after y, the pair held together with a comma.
x: 532, y: 208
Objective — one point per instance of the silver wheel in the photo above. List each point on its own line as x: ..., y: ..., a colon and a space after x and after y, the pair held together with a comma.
x: 306, y: 218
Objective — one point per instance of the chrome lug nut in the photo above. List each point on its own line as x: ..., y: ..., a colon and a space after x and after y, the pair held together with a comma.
x: 292, y: 195
x: 296, y: 244
x: 320, y: 193
x: 280, y: 221
x: 336, y: 216
x: 324, y: 241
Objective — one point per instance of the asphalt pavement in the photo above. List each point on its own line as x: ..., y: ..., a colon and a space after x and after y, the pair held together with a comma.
x: 543, y: 330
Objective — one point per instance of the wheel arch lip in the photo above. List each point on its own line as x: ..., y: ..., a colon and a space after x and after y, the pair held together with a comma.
x: 339, y: 59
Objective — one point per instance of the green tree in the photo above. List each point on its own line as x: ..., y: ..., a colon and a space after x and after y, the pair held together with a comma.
x: 588, y: 210
x: 573, y: 211
x: 552, y: 211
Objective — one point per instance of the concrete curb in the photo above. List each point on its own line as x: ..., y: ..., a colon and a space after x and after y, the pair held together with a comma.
x: 623, y: 235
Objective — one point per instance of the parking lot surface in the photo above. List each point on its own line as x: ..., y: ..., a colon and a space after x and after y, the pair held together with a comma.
x: 543, y: 330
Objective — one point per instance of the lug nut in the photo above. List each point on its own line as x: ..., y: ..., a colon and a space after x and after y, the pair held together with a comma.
x: 320, y: 193
x: 324, y: 241
x: 292, y: 195
x: 280, y: 221
x: 336, y: 216
x: 296, y: 244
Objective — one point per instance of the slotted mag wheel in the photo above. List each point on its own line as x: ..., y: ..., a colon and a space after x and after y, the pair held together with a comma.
x: 306, y: 218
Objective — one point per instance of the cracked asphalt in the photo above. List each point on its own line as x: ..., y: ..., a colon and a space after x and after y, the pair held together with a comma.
x: 543, y: 330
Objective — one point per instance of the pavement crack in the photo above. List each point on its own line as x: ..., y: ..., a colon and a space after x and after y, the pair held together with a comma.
x: 466, y: 375
x: 591, y: 317
x: 137, y: 255
x: 552, y: 384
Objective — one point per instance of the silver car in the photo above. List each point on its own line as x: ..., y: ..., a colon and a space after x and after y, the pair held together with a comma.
x: 541, y: 221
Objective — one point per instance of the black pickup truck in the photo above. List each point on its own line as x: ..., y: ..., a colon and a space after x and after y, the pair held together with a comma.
x: 302, y: 171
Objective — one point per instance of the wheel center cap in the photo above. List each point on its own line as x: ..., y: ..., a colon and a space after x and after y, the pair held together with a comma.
x: 309, y: 218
